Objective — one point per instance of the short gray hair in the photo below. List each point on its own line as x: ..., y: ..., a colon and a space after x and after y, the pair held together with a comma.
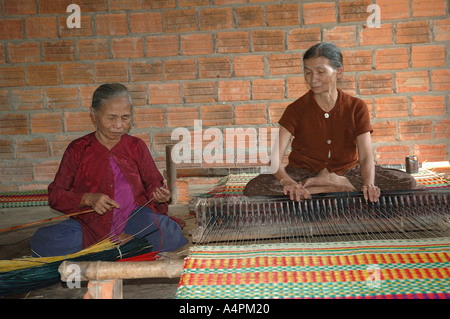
x: 327, y: 50
x: 107, y: 92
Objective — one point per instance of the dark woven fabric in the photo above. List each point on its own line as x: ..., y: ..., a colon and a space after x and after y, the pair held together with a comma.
x: 386, y: 179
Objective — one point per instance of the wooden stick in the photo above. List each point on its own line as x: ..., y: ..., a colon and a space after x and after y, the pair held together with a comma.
x: 103, y: 270
x: 171, y: 174
x: 46, y: 220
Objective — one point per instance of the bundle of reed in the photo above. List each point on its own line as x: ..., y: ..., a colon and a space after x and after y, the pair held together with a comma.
x: 26, y: 274
x: 28, y: 262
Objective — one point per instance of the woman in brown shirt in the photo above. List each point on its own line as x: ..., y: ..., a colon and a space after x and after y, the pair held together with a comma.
x: 331, y: 146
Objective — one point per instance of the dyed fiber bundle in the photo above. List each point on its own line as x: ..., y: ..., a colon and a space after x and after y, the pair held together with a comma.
x: 35, y: 277
x: 27, y: 262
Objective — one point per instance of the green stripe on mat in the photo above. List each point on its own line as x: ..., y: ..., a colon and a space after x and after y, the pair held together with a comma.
x: 317, y: 290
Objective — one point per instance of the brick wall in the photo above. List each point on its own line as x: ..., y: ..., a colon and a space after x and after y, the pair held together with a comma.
x: 229, y: 63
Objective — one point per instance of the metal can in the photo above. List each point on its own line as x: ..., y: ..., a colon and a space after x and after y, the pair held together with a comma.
x: 412, y: 164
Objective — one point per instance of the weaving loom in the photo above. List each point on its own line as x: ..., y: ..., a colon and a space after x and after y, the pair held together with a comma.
x: 320, y: 248
x: 328, y: 217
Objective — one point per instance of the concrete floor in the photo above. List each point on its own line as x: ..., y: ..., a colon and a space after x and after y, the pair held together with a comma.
x: 14, y: 244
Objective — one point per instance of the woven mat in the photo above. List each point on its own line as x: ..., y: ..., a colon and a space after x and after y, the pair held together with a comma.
x: 362, y: 269
x: 430, y: 179
x: 231, y: 185
x: 24, y: 199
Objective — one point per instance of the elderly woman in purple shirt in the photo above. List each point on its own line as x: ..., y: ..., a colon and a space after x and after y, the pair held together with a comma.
x: 114, y: 174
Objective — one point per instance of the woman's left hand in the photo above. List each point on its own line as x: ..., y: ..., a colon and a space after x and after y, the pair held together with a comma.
x: 371, y: 192
x: 162, y: 195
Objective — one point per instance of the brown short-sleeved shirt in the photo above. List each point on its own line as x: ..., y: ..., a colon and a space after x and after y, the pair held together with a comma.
x: 325, y: 139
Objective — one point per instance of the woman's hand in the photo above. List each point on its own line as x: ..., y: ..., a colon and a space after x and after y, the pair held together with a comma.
x: 101, y: 203
x: 162, y: 195
x: 295, y: 190
x: 371, y: 192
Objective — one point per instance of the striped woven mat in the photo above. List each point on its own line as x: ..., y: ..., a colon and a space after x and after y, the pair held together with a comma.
x: 24, y: 199
x: 430, y: 179
x: 385, y: 269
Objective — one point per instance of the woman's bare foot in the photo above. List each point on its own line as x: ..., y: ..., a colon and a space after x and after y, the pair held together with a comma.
x: 326, y: 182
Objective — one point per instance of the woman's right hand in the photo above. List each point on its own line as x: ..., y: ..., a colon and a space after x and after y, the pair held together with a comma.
x: 295, y: 190
x: 101, y: 203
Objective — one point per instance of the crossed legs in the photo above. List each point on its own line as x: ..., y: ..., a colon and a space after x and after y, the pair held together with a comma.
x: 326, y: 182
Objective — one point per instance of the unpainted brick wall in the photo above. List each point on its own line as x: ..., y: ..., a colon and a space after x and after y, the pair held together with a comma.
x: 229, y: 63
